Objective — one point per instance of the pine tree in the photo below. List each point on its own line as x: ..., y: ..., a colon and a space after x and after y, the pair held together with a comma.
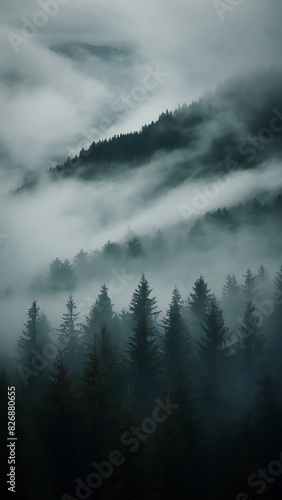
x: 231, y: 289
x: 143, y: 351
x: 251, y: 340
x: 59, y: 386
x: 28, y: 339
x: 99, y: 394
x: 211, y: 345
x: 175, y: 337
x: 112, y: 249
x: 199, y: 300
x: 69, y: 338
x: 44, y: 329
x: 249, y: 287
x: 278, y: 281
x: 256, y: 211
x: 61, y: 275
x: 225, y: 218
x: 134, y: 248
x: 98, y: 373
x: 262, y: 287
x: 62, y: 435
x: 101, y: 313
x: 197, y: 306
x: 231, y: 300
x: 107, y: 351
x: 263, y: 275
x: 28, y: 366
x: 81, y: 265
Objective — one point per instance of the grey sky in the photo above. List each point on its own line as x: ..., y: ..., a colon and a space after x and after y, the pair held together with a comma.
x: 51, y: 106
x: 54, y: 106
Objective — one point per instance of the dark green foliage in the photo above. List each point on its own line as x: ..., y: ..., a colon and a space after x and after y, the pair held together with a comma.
x: 249, y: 288
x: 175, y: 342
x: 101, y: 313
x: 28, y: 340
x: 70, y: 337
x: 61, y: 275
x: 223, y: 425
x: 112, y: 249
x: 199, y: 300
x: 134, y: 248
x: 231, y: 289
x: 143, y: 357
x: 251, y: 339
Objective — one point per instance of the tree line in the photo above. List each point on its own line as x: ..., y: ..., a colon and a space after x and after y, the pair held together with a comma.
x: 81, y: 387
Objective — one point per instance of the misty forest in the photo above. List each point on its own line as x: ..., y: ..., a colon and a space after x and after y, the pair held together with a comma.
x: 141, y: 251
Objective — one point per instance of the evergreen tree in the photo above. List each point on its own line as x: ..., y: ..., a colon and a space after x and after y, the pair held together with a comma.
x: 28, y: 339
x: 231, y: 300
x: 199, y: 300
x: 225, y: 218
x: 112, y: 249
x: 61, y: 438
x: 231, y: 289
x: 143, y: 355
x: 28, y: 365
x: 43, y: 329
x: 99, y: 394
x: 251, y: 340
x: 262, y: 284
x: 249, y: 288
x: 81, y: 264
x: 101, y: 313
x: 211, y: 345
x: 197, y: 306
x: 263, y: 275
x: 278, y: 281
x: 175, y: 338
x: 134, y: 248
x: 61, y: 275
x: 256, y: 211
x: 60, y: 383
x: 158, y: 243
x: 69, y: 338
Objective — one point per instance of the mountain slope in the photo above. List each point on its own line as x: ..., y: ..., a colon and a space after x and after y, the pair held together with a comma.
x: 79, y: 51
x: 227, y: 125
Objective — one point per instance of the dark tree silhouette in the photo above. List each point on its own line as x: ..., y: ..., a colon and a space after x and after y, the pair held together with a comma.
x: 101, y: 313
x: 211, y: 345
x: 143, y: 357
x: 251, y: 338
x: 70, y: 338
x: 175, y: 337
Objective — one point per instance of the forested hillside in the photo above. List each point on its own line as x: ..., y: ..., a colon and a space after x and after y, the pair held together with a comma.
x: 131, y: 402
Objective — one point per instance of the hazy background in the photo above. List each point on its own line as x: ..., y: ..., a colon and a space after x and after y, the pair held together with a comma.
x: 52, y: 105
